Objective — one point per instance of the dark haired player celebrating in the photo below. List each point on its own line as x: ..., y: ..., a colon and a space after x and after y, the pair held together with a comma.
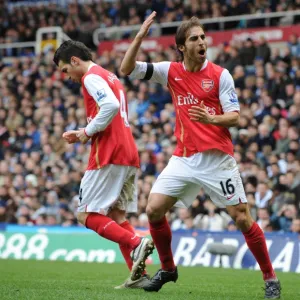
x: 206, y: 105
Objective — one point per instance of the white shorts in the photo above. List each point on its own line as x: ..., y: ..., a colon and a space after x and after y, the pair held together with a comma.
x: 214, y: 171
x: 111, y: 187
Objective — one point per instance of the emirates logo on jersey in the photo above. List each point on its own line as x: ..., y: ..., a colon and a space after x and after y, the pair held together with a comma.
x: 187, y: 100
x: 207, y: 85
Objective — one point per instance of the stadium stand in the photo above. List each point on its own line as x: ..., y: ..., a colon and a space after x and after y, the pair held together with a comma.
x: 40, y: 174
x: 79, y: 19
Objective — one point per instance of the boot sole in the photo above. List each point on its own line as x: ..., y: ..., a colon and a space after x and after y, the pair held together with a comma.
x: 140, y: 265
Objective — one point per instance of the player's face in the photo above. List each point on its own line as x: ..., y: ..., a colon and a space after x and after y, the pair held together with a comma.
x: 195, y: 46
x: 72, y: 70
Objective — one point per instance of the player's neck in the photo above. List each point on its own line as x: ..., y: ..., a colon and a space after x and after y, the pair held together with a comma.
x: 86, y: 65
x: 191, y: 66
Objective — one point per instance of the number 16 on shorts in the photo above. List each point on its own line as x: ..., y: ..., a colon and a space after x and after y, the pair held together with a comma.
x: 227, y: 188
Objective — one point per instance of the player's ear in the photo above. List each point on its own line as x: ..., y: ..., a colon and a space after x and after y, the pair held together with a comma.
x: 181, y: 48
x: 74, y: 61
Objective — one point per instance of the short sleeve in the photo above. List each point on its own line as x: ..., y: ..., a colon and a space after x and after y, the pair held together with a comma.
x: 227, y: 94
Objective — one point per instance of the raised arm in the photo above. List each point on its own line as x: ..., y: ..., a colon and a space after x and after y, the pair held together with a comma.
x: 128, y: 63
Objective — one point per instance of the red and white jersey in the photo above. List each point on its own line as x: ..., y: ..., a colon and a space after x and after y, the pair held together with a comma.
x: 106, y: 110
x: 213, y: 85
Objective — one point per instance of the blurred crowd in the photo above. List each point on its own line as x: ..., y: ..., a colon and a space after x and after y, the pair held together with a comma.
x: 40, y: 174
x: 19, y: 23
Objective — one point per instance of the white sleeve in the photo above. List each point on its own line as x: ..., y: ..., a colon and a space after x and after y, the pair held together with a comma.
x: 158, y: 74
x: 98, y: 88
x: 227, y: 94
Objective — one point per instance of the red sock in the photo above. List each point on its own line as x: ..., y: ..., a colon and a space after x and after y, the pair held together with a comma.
x: 125, y: 249
x: 162, y: 237
x: 110, y: 230
x: 256, y: 242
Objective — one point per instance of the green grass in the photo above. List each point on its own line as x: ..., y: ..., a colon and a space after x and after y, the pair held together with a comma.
x: 75, y: 281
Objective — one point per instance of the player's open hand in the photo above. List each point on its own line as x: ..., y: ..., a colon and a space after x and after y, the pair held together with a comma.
x: 70, y: 136
x: 200, y: 114
x: 146, y: 26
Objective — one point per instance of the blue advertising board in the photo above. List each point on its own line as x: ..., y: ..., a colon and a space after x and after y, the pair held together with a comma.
x: 189, y: 247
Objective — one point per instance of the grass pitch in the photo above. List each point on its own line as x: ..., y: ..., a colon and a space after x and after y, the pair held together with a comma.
x: 85, y: 281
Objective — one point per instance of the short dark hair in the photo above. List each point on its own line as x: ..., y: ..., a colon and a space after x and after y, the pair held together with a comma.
x: 72, y: 48
x: 182, y: 30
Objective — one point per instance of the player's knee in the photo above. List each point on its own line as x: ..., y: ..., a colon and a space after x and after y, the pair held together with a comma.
x: 243, y: 221
x: 241, y: 218
x: 119, y: 216
x: 119, y: 220
x: 153, y: 213
x: 150, y: 211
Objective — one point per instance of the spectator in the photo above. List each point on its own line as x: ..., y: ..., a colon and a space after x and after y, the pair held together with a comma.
x: 263, y: 50
x: 264, y: 137
x: 263, y: 195
x: 295, y: 227
x: 248, y: 52
x: 282, y: 143
x: 282, y: 220
x: 294, y: 45
x: 180, y: 218
x: 147, y: 166
x: 2, y: 211
x: 263, y: 218
x: 231, y: 226
x: 239, y: 77
x: 212, y: 221
x: 233, y: 60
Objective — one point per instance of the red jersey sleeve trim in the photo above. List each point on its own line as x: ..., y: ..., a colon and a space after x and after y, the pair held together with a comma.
x: 86, y: 133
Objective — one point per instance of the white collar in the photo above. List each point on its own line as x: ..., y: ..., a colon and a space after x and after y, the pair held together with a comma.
x: 203, y: 67
x: 91, y: 65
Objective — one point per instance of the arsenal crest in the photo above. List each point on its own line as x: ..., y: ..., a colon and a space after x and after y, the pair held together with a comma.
x: 207, y: 85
